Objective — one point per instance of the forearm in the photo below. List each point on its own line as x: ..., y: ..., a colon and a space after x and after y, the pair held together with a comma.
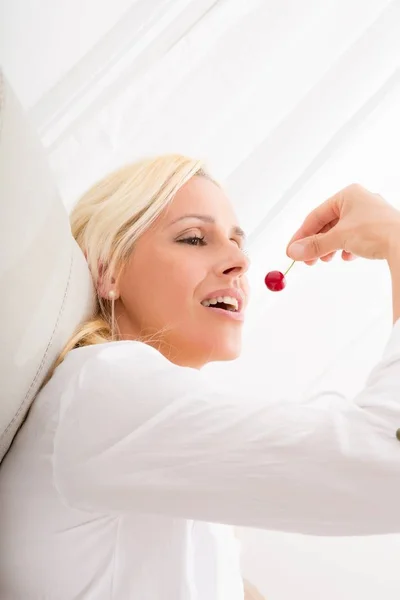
x: 394, y: 267
x: 251, y: 592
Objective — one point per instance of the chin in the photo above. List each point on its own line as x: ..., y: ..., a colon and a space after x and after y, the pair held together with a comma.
x: 197, y: 349
x: 223, y: 353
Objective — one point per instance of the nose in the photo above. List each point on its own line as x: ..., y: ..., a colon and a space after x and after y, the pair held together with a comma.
x: 233, y: 262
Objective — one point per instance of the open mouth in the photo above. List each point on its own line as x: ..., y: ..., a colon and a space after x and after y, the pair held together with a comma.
x: 226, y: 303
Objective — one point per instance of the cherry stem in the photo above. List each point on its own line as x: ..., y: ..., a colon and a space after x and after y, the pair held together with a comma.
x: 289, y: 268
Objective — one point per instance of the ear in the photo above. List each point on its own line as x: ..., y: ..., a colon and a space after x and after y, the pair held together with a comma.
x: 103, y: 287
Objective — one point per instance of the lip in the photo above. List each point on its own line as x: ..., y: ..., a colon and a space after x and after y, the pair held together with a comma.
x: 234, y: 293
x: 228, y: 314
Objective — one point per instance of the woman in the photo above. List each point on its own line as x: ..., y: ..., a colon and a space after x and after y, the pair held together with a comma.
x: 130, y: 469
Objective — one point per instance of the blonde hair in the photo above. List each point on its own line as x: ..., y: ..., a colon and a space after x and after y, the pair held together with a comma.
x: 110, y: 217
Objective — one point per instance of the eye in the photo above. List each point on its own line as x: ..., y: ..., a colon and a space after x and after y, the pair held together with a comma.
x: 193, y: 240
x: 241, y: 245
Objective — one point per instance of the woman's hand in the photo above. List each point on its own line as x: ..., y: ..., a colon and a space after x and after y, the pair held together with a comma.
x: 355, y: 221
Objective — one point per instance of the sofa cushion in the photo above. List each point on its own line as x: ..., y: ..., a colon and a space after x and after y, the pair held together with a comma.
x: 46, y: 287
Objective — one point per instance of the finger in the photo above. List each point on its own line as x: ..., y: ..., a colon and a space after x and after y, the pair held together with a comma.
x: 328, y: 257
x: 329, y: 226
x: 348, y: 256
x: 315, y: 246
x: 321, y: 219
x: 299, y: 235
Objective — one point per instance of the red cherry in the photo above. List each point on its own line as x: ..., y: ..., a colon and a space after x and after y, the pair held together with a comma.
x: 275, y: 281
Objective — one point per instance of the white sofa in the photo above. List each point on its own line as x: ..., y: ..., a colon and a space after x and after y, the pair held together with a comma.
x: 45, y: 286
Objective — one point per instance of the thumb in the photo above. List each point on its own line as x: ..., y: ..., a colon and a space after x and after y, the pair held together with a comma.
x: 314, y: 247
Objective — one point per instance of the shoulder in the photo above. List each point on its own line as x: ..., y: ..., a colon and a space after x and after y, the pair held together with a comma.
x: 117, y: 356
x: 123, y: 368
x: 112, y: 350
x: 112, y: 357
x: 112, y: 389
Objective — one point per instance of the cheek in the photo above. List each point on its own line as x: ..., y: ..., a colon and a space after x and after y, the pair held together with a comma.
x: 167, y: 285
x: 180, y: 280
x: 246, y: 286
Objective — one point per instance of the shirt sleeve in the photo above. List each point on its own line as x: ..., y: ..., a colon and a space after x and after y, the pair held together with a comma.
x: 137, y: 433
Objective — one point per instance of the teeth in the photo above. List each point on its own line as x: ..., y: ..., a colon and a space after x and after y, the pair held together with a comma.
x: 225, y: 299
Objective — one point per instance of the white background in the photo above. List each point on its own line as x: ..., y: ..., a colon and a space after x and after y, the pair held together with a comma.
x: 287, y: 101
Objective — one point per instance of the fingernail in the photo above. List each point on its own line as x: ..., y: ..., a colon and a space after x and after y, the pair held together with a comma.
x: 296, y: 251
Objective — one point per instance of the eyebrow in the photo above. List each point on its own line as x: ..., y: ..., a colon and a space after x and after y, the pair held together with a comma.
x: 208, y: 219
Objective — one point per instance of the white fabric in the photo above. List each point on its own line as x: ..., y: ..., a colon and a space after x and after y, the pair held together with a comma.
x: 46, y: 288
x: 125, y: 460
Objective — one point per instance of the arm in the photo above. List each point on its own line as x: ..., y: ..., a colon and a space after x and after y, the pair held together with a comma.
x: 394, y: 267
x: 251, y: 592
x: 138, y: 433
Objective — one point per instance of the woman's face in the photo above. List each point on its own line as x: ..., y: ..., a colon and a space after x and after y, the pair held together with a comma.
x: 192, y: 254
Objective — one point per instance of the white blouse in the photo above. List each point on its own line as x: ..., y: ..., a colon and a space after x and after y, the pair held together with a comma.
x: 129, y: 473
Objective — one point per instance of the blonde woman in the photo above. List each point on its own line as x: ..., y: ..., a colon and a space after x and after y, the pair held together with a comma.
x: 131, y: 470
